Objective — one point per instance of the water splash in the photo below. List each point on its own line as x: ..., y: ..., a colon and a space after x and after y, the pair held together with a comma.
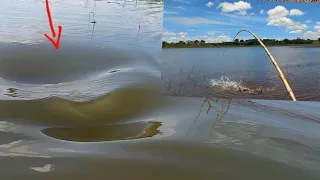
x: 241, y: 86
x: 225, y: 83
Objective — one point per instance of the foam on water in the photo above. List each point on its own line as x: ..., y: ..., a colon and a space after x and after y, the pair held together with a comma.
x: 225, y: 83
x: 239, y: 86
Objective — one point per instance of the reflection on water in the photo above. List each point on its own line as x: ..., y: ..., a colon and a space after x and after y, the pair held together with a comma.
x: 25, y: 21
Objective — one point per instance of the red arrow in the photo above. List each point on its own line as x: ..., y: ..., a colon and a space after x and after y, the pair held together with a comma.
x: 56, y: 44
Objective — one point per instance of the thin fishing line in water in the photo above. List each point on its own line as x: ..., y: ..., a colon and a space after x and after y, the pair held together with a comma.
x: 89, y: 18
x: 139, y: 38
x: 93, y: 12
x: 139, y: 28
x: 139, y: 24
x: 136, y: 10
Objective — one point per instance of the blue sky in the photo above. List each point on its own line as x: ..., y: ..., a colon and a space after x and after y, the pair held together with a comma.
x: 220, y: 20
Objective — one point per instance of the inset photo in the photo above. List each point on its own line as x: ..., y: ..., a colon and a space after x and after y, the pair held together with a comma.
x: 243, y: 49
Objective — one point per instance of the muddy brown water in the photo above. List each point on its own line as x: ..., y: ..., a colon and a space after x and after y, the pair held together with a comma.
x: 95, y: 108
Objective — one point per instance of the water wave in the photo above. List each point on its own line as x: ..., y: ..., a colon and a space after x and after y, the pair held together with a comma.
x: 120, y: 105
x: 75, y: 86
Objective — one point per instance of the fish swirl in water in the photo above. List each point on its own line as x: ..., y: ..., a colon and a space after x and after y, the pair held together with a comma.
x: 104, y: 86
x: 104, y: 73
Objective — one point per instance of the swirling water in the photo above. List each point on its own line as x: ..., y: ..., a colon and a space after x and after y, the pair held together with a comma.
x: 93, y: 108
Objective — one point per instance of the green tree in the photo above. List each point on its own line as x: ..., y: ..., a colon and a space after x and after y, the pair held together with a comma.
x: 164, y: 43
x: 319, y: 39
x: 286, y: 41
x: 236, y: 42
x: 309, y: 41
x: 189, y: 42
x: 196, y: 42
x: 203, y: 41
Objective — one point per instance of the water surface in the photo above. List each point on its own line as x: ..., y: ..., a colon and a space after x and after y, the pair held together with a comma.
x: 222, y: 72
x: 93, y: 109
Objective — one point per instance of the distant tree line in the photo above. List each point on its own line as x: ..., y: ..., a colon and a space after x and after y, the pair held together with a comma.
x: 237, y: 42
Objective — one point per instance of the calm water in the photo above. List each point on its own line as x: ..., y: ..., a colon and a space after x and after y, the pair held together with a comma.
x: 222, y: 72
x: 94, y: 109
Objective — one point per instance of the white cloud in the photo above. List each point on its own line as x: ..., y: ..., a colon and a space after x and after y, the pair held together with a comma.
x: 182, y: 1
x: 295, y: 32
x: 221, y: 38
x: 318, y: 23
x: 296, y: 12
x: 183, y: 36
x: 182, y: 33
x: 166, y: 33
x: 209, y: 4
x: 170, y: 12
x: 209, y: 39
x: 308, y: 21
x: 251, y: 14
x: 171, y: 39
x: 277, y: 17
x: 242, y: 13
x: 245, y: 18
x: 317, y: 28
x: 236, y: 6
x: 191, y: 30
x: 297, y: 26
x: 277, y: 12
x: 182, y: 8
x: 194, y: 21
x: 312, y: 35
x: 261, y: 11
x: 174, y: 34
x: 282, y: 21
x: 211, y: 32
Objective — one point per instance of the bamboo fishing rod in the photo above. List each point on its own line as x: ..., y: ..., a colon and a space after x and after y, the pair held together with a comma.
x: 274, y: 62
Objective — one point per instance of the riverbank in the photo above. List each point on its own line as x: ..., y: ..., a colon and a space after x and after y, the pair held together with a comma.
x: 238, y: 46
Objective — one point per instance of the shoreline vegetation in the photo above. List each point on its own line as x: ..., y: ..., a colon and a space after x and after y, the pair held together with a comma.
x: 243, y: 43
